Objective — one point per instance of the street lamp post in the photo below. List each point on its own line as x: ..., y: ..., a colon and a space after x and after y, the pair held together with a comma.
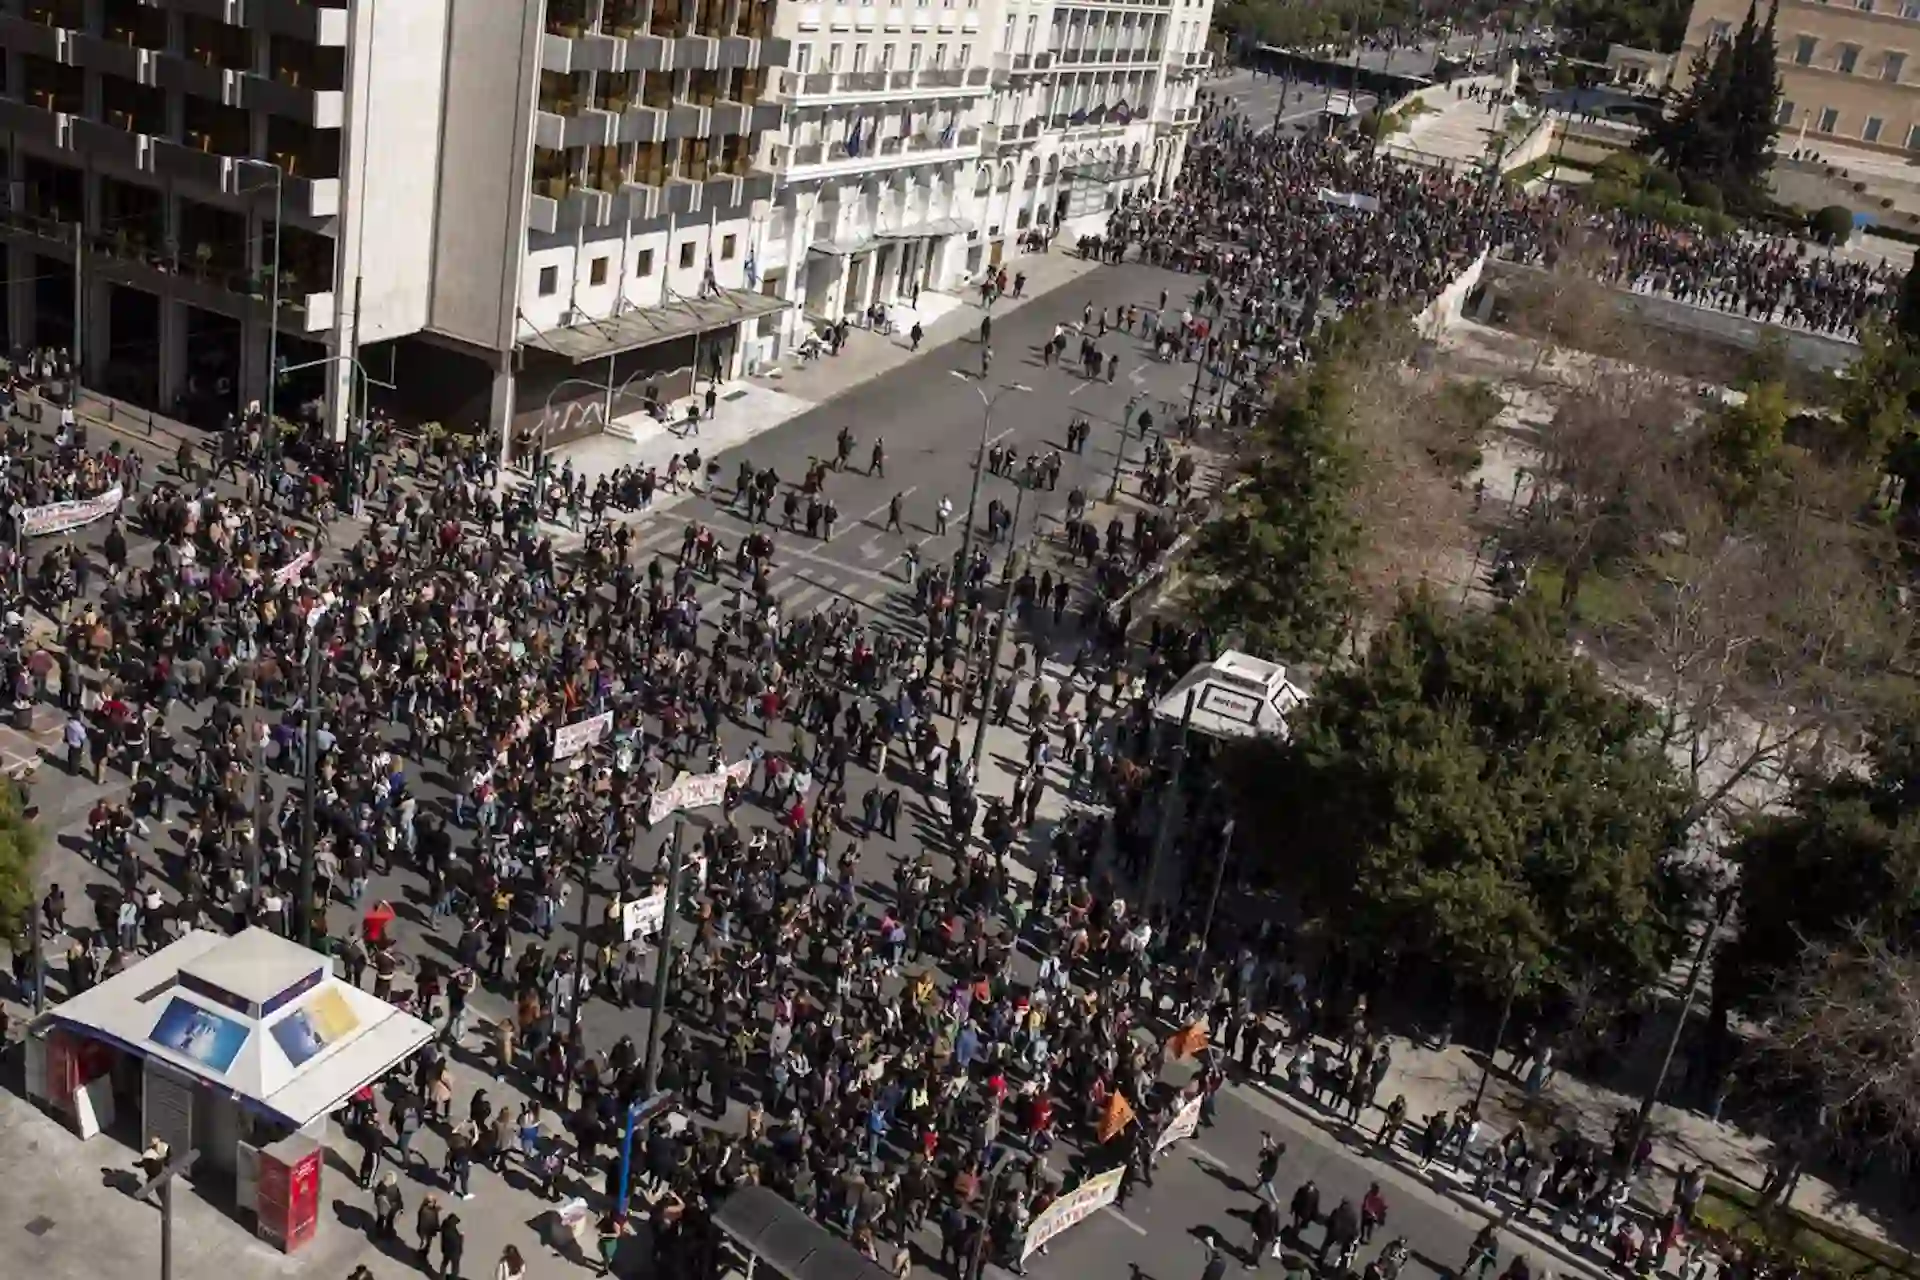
x: 308, y: 775
x: 1499, y: 1034
x: 965, y: 558
x: 273, y: 288
x: 997, y: 640
x: 346, y: 461
x: 663, y: 966
x: 1120, y: 450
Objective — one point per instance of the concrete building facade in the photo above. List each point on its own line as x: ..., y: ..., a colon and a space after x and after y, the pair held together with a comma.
x: 1849, y: 70
x: 925, y: 139
x: 508, y: 211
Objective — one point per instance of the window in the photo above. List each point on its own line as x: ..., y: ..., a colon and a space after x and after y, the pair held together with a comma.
x: 644, y: 266
x: 966, y: 55
x: 549, y: 281
x: 913, y: 57
x: 1911, y: 9
x: 860, y: 57
x: 1913, y: 137
x: 1864, y: 6
x: 1784, y: 115
x: 939, y: 56
x: 726, y: 248
x: 1033, y: 30
x: 687, y: 250
x: 1829, y: 119
x: 1718, y: 31
x: 1890, y: 69
x: 597, y: 273
x: 1803, y: 47
x: 886, y: 57
x: 1006, y: 34
x: 833, y: 57
x: 1849, y: 59
x: 802, y: 58
x: 1870, y: 131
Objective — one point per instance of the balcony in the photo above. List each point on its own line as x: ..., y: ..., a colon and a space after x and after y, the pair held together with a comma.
x: 943, y: 78
x: 643, y: 124
x: 27, y: 36
x: 765, y: 116
x: 105, y: 142
x: 589, y: 128
x: 305, y: 197
x: 683, y: 196
x: 695, y: 53
x: 321, y: 24
x: 216, y: 84
x: 643, y: 203
x: 111, y: 57
x: 315, y: 108
x: 571, y: 210
x: 686, y: 120
x: 33, y: 122
x: 726, y: 117
x: 829, y: 160
x: 190, y: 164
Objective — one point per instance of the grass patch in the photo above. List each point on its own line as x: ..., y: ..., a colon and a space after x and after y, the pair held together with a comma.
x: 1601, y: 603
x: 1733, y: 1212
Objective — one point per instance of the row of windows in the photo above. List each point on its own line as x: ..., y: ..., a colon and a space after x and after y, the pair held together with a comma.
x: 1844, y: 56
x: 598, y: 268
x: 862, y: 49
x: 1830, y: 121
x: 1905, y: 8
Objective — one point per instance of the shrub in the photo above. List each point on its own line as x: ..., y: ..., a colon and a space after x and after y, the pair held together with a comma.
x: 1832, y: 224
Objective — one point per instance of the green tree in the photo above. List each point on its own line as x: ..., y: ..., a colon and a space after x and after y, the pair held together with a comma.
x: 1277, y: 567
x: 1721, y: 130
x: 1472, y: 796
x: 1906, y: 316
x: 19, y: 859
x: 1843, y: 856
x: 1744, y: 443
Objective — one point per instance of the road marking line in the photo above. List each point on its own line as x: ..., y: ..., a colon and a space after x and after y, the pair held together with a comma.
x: 1135, y: 377
x: 1208, y: 1156
x: 1125, y: 1221
x: 998, y: 438
x: 1084, y: 384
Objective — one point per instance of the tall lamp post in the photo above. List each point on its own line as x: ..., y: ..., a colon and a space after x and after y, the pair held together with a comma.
x: 997, y: 640
x: 273, y: 288
x: 316, y: 642
x: 965, y: 558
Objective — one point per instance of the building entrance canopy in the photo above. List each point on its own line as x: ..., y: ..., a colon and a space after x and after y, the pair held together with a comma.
x: 631, y: 330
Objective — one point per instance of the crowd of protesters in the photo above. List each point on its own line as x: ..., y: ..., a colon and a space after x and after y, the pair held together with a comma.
x: 877, y: 1048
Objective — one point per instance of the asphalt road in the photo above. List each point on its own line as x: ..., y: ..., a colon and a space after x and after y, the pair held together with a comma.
x: 931, y: 422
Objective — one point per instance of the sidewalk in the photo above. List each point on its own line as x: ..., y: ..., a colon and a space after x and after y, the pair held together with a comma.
x: 945, y: 317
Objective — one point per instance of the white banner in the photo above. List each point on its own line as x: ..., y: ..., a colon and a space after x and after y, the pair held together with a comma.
x: 696, y: 791
x: 642, y: 917
x: 292, y: 569
x: 1085, y: 1200
x: 1185, y: 1123
x: 581, y: 734
x: 58, y: 517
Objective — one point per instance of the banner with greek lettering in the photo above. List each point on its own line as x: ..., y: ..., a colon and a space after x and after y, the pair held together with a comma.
x: 58, y: 517
x: 697, y: 791
x: 1185, y: 1123
x: 1079, y: 1204
x: 642, y: 917
x: 581, y: 734
x: 292, y: 569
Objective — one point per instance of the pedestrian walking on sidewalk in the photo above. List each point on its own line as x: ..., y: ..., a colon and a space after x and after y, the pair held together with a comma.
x: 915, y: 334
x: 426, y: 1227
x: 713, y: 399
x: 387, y: 1204
x: 1271, y: 1150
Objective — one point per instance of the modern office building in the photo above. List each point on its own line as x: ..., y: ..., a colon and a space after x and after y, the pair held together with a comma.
x: 924, y: 139
x: 509, y: 211
x: 1849, y: 70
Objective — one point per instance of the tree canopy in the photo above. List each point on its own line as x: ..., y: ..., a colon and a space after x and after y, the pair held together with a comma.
x: 1843, y: 856
x: 19, y: 855
x: 1277, y: 566
x: 1721, y: 130
x: 1472, y: 794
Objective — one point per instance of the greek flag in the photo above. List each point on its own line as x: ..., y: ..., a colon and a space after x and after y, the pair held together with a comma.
x: 853, y: 139
x: 948, y: 134
x: 752, y: 270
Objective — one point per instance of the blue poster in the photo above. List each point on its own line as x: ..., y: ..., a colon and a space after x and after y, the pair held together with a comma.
x: 196, y: 1033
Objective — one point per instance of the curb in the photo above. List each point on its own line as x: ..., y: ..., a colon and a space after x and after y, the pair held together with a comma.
x: 1442, y: 1181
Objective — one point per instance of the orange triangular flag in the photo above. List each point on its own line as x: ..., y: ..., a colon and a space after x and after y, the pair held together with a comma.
x: 1188, y: 1041
x: 1118, y: 1116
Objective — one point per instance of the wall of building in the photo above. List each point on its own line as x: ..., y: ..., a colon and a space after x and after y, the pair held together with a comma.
x: 1875, y: 104
x: 642, y: 267
x: 391, y: 166
x: 490, y: 69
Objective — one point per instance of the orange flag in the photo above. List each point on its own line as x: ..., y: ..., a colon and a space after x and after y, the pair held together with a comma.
x: 1118, y: 1116
x: 1188, y: 1041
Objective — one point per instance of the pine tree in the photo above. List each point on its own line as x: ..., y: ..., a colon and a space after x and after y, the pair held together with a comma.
x: 1751, y: 107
